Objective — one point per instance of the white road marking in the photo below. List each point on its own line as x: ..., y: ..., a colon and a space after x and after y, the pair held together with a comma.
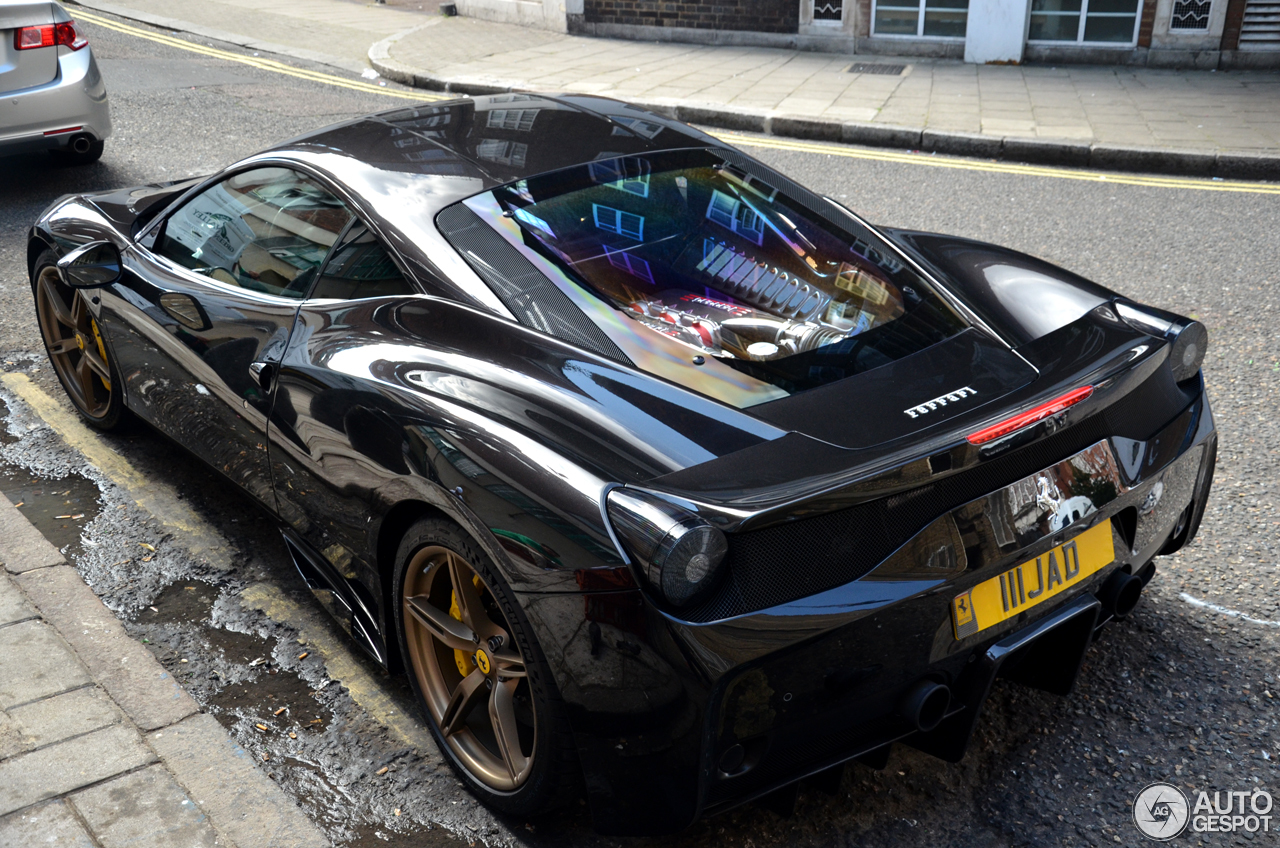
x: 1194, y: 601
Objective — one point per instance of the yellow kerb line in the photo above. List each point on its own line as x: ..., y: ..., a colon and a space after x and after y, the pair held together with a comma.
x: 257, y: 62
x: 1114, y: 178
x: 206, y: 543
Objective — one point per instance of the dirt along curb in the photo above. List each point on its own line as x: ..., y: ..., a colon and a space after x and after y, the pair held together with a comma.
x: 89, y: 717
x: 1036, y: 151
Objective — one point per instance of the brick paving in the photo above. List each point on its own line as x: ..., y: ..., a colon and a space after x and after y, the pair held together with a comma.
x: 99, y: 746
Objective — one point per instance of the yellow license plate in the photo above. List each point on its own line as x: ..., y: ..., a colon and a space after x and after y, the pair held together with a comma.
x: 1033, y: 582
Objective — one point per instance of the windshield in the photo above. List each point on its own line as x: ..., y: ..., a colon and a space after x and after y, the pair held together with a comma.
x: 683, y: 259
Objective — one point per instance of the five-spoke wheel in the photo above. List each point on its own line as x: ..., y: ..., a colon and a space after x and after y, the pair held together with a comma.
x: 480, y: 674
x: 76, y: 347
x: 468, y: 667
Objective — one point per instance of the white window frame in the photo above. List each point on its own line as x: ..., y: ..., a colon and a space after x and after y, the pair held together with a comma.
x: 519, y: 120
x: 943, y: 39
x: 502, y: 151
x: 1084, y: 15
x: 733, y: 217
x: 633, y: 265
x: 613, y: 173
x: 614, y: 221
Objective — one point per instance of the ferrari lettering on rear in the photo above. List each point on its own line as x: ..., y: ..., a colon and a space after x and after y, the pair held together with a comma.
x: 942, y: 400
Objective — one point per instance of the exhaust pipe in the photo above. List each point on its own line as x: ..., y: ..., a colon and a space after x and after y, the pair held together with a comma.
x: 925, y: 705
x: 1119, y: 595
x: 81, y: 144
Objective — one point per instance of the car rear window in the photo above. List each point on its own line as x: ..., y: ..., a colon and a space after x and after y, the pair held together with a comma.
x: 706, y: 269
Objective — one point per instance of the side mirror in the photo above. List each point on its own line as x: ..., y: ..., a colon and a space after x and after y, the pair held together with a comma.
x: 90, y: 266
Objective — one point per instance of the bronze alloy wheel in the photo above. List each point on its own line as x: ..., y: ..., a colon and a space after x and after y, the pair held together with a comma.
x: 469, y: 668
x: 75, y: 346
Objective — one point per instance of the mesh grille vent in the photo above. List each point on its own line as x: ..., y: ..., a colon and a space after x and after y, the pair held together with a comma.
x: 785, y: 562
x: 1260, y: 29
x: 876, y: 68
x: 1190, y: 15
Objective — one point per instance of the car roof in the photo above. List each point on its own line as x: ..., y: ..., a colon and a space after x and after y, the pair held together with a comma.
x: 462, y: 147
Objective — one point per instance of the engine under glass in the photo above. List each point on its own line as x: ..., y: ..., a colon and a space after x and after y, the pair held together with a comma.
x: 689, y: 248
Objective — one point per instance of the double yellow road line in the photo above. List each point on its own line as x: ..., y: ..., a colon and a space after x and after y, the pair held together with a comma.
x: 254, y: 61
x: 991, y: 166
x: 738, y: 139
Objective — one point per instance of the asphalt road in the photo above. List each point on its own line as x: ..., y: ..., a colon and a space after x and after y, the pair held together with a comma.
x: 1186, y: 690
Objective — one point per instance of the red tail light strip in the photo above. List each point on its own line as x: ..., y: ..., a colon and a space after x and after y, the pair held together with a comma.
x: 64, y: 35
x: 1031, y: 416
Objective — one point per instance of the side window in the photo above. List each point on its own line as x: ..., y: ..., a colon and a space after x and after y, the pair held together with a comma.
x: 360, y: 268
x: 266, y: 230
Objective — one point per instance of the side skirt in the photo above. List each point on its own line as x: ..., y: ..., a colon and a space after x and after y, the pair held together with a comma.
x: 333, y: 593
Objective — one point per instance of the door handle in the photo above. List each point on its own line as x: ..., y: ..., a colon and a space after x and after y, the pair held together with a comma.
x: 262, y: 373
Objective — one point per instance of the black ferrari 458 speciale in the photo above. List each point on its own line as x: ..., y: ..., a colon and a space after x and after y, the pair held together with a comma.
x: 663, y: 478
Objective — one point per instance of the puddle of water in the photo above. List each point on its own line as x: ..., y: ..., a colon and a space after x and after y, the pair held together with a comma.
x: 58, y: 508
x: 259, y: 695
x: 303, y: 738
x: 241, y: 667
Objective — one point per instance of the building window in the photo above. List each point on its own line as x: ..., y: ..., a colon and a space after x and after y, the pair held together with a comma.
x: 1096, y: 21
x: 929, y: 18
x: 534, y: 221
x: 512, y: 119
x: 633, y: 265
x: 626, y: 173
x: 1190, y: 15
x: 503, y: 152
x: 736, y: 216
x: 616, y: 221
x: 648, y: 129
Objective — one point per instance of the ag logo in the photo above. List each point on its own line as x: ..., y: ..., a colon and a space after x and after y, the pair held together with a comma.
x: 1161, y: 811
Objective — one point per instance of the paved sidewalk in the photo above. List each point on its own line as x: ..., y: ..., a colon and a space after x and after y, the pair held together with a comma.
x: 1182, y: 109
x: 99, y: 745
x: 1224, y: 123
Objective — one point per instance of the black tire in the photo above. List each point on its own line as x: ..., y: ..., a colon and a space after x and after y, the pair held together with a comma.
x: 555, y: 776
x: 67, y: 156
x: 112, y: 415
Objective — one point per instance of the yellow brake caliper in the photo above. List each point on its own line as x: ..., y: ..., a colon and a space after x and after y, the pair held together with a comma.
x: 462, y: 658
x: 102, y: 350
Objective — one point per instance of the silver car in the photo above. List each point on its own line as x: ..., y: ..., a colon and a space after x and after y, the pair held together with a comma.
x: 52, y: 96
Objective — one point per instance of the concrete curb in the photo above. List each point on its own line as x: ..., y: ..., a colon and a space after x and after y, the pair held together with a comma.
x: 1078, y: 154
x: 244, y: 806
x: 128, y: 672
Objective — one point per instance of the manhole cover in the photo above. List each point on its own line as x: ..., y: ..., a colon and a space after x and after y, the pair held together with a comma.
x: 876, y: 68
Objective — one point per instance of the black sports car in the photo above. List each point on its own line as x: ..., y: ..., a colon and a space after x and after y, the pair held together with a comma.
x: 658, y: 473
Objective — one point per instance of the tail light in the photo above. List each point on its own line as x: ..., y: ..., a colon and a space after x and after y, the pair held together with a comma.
x: 1189, y: 337
x: 64, y: 34
x: 1031, y: 416
x: 677, y: 552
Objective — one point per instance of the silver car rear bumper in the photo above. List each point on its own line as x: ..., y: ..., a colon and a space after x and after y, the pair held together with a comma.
x: 76, y: 98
